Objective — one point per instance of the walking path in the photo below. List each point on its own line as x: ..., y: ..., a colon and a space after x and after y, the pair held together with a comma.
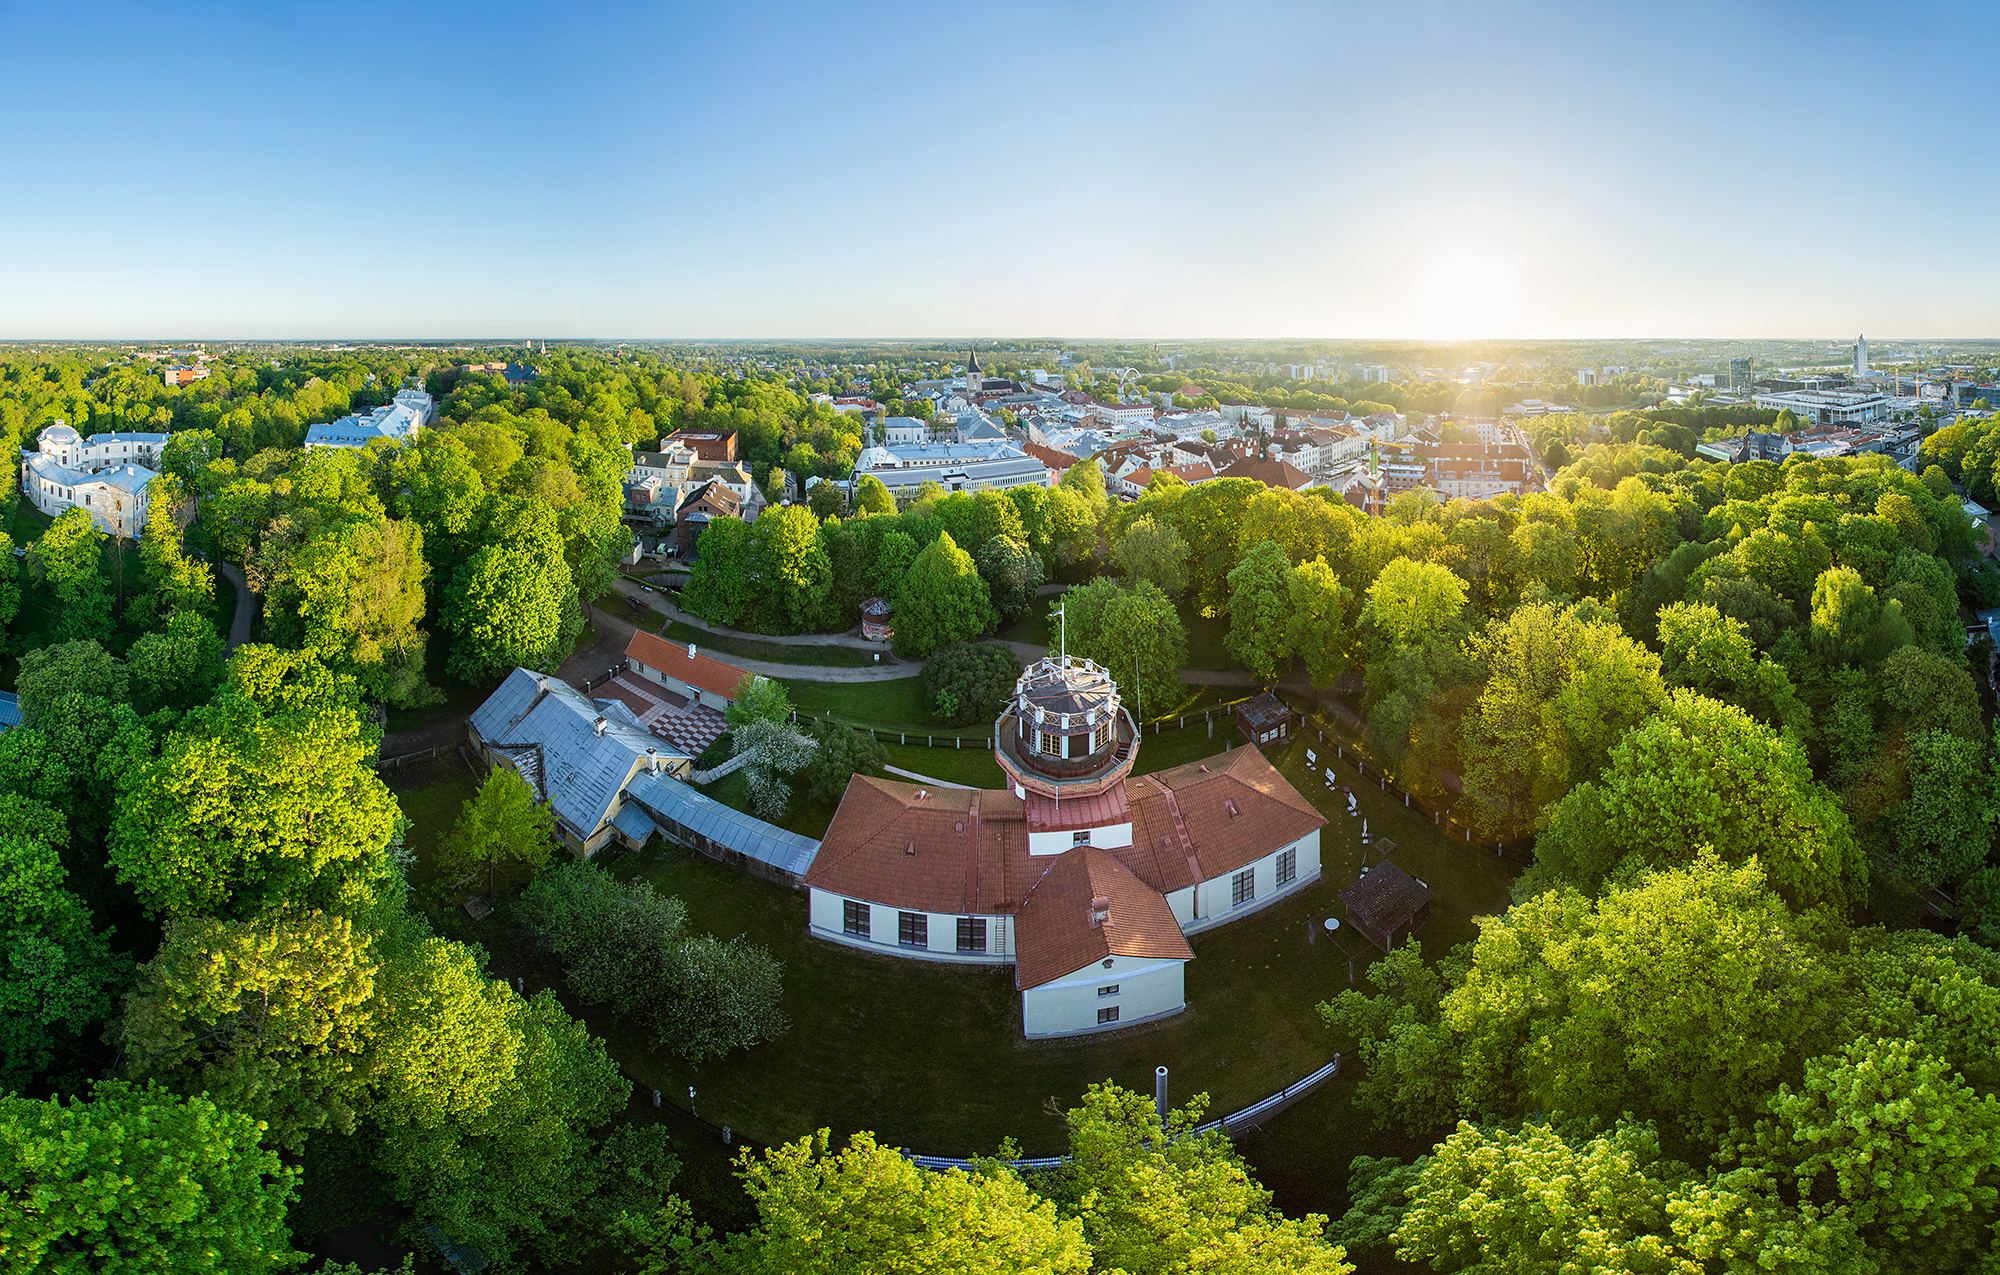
x: 614, y: 626
x: 246, y: 605
x: 661, y: 602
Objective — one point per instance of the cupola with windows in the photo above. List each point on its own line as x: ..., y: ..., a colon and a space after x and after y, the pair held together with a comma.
x: 1065, y: 731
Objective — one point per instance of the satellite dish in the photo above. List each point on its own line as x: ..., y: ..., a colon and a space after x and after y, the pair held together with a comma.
x: 1333, y: 923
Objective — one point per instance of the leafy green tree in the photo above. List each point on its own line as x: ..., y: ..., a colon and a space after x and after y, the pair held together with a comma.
x: 501, y: 823
x: 1318, y: 628
x: 1122, y: 629
x: 1922, y: 691
x: 1377, y: 1187
x: 969, y: 681
x: 359, y: 592
x: 1529, y: 1201
x: 1012, y: 575
x: 1710, y: 653
x: 625, y: 946
x: 871, y: 496
x: 1260, y: 610
x: 723, y: 585
x: 139, y: 1181
x: 1850, y: 624
x: 270, y: 1016
x: 57, y: 973
x: 1944, y: 829
x: 80, y: 667
x: 506, y: 607
x: 240, y: 812
x: 795, y: 571
x: 70, y: 557
x: 1561, y: 686
x: 1411, y: 628
x: 758, y: 699
x: 1153, y: 550
x: 1086, y: 479
x: 1701, y: 777
x: 178, y: 668
x: 839, y: 753
x: 941, y: 600
x: 176, y: 581
x: 1156, y: 1196
x: 866, y: 1206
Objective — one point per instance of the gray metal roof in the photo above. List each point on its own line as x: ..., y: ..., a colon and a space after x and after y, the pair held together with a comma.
x: 632, y: 821
x: 669, y: 800
x: 549, y: 729
x: 10, y: 709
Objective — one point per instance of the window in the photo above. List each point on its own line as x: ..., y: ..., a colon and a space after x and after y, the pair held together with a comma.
x: 1048, y: 745
x: 972, y: 934
x: 1107, y: 1015
x: 1081, y: 838
x: 854, y: 917
x: 1242, y: 887
x: 1109, y: 989
x: 913, y: 929
x: 1288, y: 867
x: 1101, y: 738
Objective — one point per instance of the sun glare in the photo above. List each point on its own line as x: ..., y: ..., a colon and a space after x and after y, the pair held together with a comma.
x: 1467, y: 292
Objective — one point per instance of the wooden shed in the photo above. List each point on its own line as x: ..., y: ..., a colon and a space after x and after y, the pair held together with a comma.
x: 1387, y: 905
x: 1264, y: 720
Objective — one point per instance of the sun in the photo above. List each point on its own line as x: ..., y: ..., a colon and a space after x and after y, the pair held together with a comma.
x: 1465, y: 291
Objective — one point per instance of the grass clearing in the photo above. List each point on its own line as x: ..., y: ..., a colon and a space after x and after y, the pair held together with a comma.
x: 816, y: 655
x: 1205, y: 636
x: 897, y: 704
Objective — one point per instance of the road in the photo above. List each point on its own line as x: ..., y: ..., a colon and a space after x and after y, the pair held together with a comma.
x: 247, y: 604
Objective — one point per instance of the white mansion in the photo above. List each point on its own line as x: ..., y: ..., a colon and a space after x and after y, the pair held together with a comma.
x: 1082, y: 876
x: 107, y: 474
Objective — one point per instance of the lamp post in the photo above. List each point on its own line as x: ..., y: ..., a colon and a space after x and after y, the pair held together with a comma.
x: 691, y: 1110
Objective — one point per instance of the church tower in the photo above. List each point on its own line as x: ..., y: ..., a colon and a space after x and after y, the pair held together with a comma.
x: 975, y: 380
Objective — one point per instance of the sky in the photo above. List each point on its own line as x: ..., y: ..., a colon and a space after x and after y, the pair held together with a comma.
x: 1096, y: 168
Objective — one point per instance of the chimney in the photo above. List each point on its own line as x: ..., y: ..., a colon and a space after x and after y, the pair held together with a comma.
x: 599, y: 725
x: 1100, y: 912
x: 652, y: 761
x: 690, y: 650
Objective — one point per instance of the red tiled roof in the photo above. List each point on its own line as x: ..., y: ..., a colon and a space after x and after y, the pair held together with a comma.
x: 1049, y: 456
x: 888, y: 846
x: 1060, y: 930
x: 698, y: 670
x: 1272, y: 473
x: 1046, y: 814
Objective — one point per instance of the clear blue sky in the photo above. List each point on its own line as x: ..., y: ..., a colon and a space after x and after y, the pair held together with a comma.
x: 1081, y: 169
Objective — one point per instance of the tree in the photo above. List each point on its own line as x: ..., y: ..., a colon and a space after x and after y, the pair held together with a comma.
x: 1260, y: 610
x: 1012, y: 575
x: 360, y: 596
x: 1944, y: 829
x: 839, y: 753
x: 941, y: 600
x: 1155, y: 1196
x: 1318, y: 629
x: 57, y: 973
x: 794, y: 568
x: 70, y: 556
x: 822, y: 1212
x: 970, y: 681
x: 179, y: 668
x: 270, y: 1016
x: 1701, y: 777
x: 625, y: 946
x: 872, y: 497
x: 502, y: 822
x: 1153, y: 550
x: 758, y: 699
x: 482, y: 1100
x: 506, y: 607
x: 1562, y: 685
x: 241, y: 812
x: 1529, y: 1201
x: 137, y: 1180
x: 1710, y: 653
x: 82, y: 667
x: 775, y: 749
x: 723, y: 586
x: 1086, y: 479
x: 1135, y: 629
x: 1850, y: 624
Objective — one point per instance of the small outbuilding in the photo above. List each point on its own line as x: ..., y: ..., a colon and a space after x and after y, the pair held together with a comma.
x: 877, y: 620
x: 1264, y: 720
x: 1387, y: 905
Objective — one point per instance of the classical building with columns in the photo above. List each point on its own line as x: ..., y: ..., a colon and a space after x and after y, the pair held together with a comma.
x: 109, y: 475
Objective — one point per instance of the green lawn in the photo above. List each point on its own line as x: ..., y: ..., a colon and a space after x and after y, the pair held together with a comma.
x: 893, y: 705
x: 775, y: 652
x: 1035, y: 627
x: 460, y: 698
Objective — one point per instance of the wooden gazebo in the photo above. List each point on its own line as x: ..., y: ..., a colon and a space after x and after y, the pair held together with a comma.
x: 1387, y: 905
x: 1264, y: 720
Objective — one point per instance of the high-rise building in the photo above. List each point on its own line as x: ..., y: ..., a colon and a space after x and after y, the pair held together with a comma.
x: 1860, y: 357
x: 1740, y: 373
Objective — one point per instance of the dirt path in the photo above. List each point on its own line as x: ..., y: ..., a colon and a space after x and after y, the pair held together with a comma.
x: 247, y: 604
